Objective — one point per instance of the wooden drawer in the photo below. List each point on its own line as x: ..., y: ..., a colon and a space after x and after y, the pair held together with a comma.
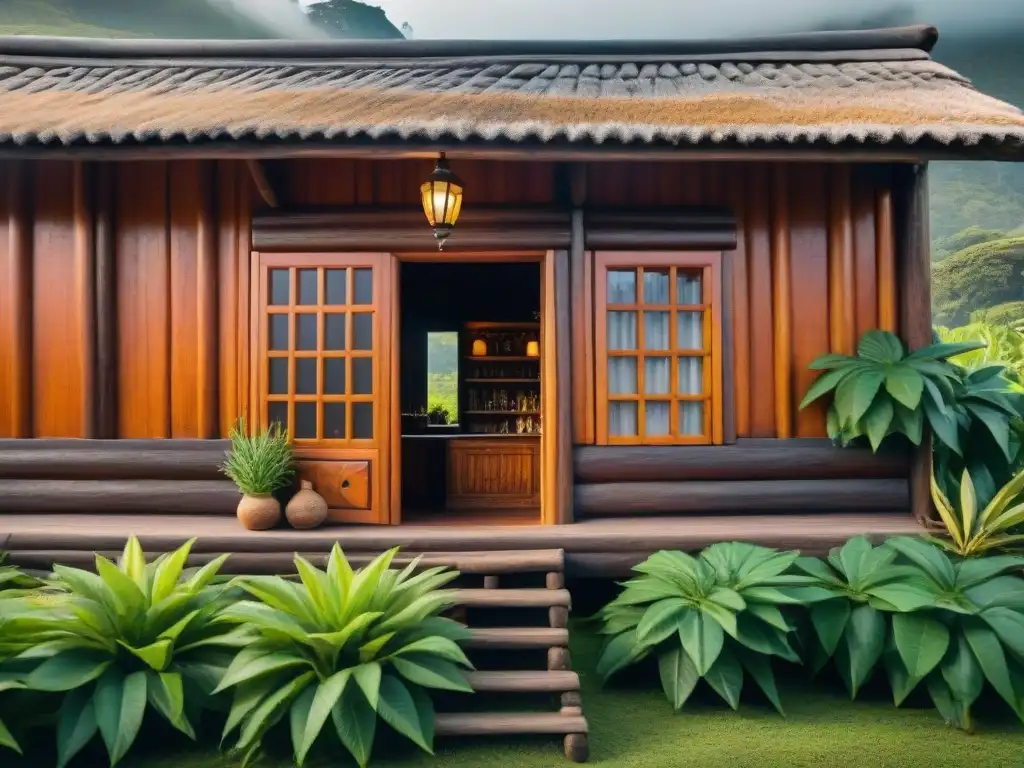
x: 496, y: 473
x: 343, y: 484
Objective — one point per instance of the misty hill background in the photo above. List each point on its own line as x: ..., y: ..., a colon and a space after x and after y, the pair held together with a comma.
x: 977, y: 208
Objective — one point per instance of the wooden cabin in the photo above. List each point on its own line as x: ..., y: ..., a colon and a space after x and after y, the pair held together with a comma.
x: 655, y: 240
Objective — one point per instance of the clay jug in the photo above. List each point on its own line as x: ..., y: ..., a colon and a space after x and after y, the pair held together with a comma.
x: 307, y: 509
x: 258, y: 513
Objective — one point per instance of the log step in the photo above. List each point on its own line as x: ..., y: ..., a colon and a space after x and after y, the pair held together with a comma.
x: 282, y: 563
x: 517, y: 637
x: 513, y: 598
x: 497, y: 723
x: 526, y: 681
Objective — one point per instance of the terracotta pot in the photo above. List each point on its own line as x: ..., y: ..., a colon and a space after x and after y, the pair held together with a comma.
x: 258, y: 513
x: 307, y: 509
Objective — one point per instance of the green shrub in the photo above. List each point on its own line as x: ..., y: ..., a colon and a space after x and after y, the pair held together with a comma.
x: 714, y: 617
x: 977, y: 277
x: 345, y: 645
x: 259, y: 464
x: 125, y: 639
x: 970, y: 532
x: 882, y: 390
x: 949, y: 623
x: 1010, y: 314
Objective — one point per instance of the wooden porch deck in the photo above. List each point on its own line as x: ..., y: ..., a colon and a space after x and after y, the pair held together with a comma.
x: 598, y: 548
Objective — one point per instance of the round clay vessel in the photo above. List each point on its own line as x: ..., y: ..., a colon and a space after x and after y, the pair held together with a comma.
x: 307, y: 509
x: 258, y: 513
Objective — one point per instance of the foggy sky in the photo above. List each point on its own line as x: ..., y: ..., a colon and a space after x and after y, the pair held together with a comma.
x: 682, y: 19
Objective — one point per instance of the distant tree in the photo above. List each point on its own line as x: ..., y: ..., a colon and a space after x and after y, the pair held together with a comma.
x: 978, y: 277
x: 1011, y: 313
x: 973, y: 235
x: 351, y: 19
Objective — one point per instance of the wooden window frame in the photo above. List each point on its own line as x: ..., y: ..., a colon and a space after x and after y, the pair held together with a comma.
x: 711, y: 265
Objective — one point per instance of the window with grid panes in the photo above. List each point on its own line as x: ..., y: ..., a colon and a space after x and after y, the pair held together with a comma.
x: 656, y: 344
x: 320, y: 356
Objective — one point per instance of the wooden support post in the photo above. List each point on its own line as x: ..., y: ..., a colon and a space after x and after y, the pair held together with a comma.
x: 562, y: 445
x: 490, y: 582
x: 558, y: 616
x: 559, y: 659
x: 555, y: 580
x: 571, y: 699
x: 576, y: 748
x: 17, y: 292
x: 913, y: 268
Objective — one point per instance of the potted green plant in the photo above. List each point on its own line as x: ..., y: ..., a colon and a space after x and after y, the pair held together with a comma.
x: 438, y: 415
x: 259, y: 464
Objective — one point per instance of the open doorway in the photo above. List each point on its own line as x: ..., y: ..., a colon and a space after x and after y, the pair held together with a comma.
x: 470, y: 392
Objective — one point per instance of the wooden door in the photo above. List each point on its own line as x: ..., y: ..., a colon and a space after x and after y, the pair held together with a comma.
x: 322, y: 368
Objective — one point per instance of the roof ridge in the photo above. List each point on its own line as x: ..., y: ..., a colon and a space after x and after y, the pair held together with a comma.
x: 919, y: 37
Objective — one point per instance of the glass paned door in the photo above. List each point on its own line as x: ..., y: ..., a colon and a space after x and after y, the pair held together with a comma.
x: 322, y: 371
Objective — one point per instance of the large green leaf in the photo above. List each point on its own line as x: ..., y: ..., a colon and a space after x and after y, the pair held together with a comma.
x: 900, y: 680
x: 68, y: 670
x: 898, y: 596
x: 921, y: 642
x: 962, y: 674
x: 678, y: 676
x: 368, y: 676
x: 660, y: 620
x: 996, y: 423
x: 437, y: 646
x: 702, y: 638
x: 168, y: 573
x: 120, y: 704
x: 905, y: 385
x: 618, y: 653
x: 254, y: 662
x: 156, y: 655
x: 926, y: 556
x: 127, y: 594
x: 876, y: 421
x: 323, y: 702
x: 166, y: 692
x: 76, y: 724
x: 855, y: 394
x: 271, y: 710
x: 355, y: 723
x: 865, y: 640
x: 760, y: 668
x: 432, y: 673
x: 991, y: 658
x: 880, y: 347
x: 953, y: 712
x: 829, y: 619
x: 726, y: 677
x: 1008, y: 624
x: 824, y: 384
x: 759, y: 637
x: 397, y: 708
x: 7, y: 739
x: 298, y: 720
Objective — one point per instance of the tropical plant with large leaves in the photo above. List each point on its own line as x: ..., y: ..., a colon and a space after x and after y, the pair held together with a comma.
x: 970, y: 531
x: 129, y: 638
x: 716, y: 616
x: 950, y: 623
x: 867, y: 587
x: 984, y: 435
x: 345, y: 645
x: 883, y: 390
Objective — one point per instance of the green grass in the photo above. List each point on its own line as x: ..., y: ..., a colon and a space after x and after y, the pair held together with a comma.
x: 633, y: 727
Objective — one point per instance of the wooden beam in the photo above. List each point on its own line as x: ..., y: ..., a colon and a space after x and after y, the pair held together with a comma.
x: 914, y: 295
x: 741, y: 496
x: 199, y: 497
x: 262, y: 181
x: 747, y: 459
x: 85, y: 289
x: 112, y: 459
x: 782, y: 299
x: 581, y: 276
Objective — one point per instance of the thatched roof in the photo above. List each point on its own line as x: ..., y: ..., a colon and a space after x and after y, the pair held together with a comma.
x: 869, y: 89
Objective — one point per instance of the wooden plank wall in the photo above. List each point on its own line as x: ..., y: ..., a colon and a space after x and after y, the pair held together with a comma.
x: 814, y: 269
x: 146, y: 345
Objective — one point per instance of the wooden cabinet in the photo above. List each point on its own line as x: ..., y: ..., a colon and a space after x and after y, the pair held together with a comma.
x: 498, y: 472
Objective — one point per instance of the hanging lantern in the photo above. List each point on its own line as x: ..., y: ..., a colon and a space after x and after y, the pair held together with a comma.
x: 441, y: 195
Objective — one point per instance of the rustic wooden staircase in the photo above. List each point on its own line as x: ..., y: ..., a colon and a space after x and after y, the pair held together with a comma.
x: 497, y: 640
x: 517, y: 608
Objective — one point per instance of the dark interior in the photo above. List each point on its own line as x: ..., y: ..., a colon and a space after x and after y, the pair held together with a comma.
x: 444, y: 297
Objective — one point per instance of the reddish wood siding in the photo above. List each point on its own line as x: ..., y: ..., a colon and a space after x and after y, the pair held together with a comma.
x: 182, y: 276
